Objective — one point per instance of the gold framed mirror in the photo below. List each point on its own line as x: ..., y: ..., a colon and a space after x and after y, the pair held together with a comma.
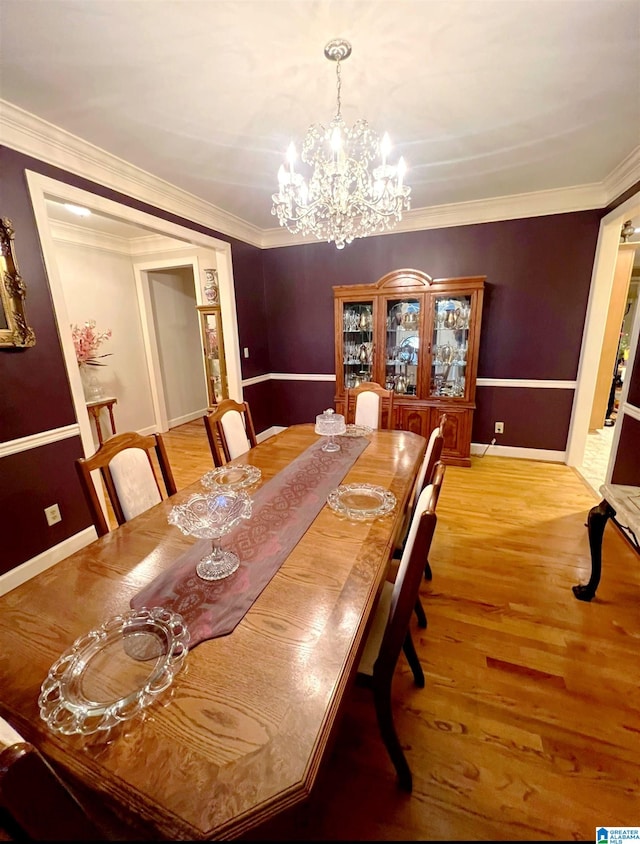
x: 14, y: 331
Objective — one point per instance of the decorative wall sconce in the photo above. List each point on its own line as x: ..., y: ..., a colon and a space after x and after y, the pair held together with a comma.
x: 14, y: 331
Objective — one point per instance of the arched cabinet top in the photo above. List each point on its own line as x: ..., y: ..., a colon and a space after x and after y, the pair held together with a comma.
x: 412, y: 280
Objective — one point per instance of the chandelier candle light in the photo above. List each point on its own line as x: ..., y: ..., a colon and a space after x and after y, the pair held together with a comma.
x: 343, y: 198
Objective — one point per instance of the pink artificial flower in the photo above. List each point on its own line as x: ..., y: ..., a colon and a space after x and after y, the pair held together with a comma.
x: 87, y: 340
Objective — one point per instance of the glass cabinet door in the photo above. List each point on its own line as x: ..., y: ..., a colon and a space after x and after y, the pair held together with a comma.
x: 357, y: 343
x: 215, y: 366
x: 450, y: 345
x: 402, y: 354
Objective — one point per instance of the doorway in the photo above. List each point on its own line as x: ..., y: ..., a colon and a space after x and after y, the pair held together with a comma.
x: 595, y: 322
x: 613, y: 367
x: 175, y: 320
x: 42, y: 188
x: 168, y: 311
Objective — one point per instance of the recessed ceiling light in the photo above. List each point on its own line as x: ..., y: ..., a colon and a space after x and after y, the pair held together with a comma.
x: 77, y: 209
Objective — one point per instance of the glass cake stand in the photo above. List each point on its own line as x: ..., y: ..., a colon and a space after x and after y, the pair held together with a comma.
x: 210, y: 516
x: 330, y: 424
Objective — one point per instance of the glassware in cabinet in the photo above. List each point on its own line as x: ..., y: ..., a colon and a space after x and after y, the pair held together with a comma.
x: 426, y: 336
x: 213, y: 351
x: 357, y: 342
x: 402, y: 346
x: 450, y: 345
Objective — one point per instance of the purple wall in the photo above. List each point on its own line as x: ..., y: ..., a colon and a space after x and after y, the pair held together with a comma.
x: 538, y: 277
x: 626, y: 469
x: 34, y: 390
x: 633, y: 372
x: 31, y: 481
x: 527, y: 415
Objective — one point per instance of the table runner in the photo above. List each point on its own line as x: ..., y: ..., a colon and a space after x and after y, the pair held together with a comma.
x: 283, y: 509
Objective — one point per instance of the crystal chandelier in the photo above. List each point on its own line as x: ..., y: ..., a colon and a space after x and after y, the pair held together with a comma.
x: 342, y: 198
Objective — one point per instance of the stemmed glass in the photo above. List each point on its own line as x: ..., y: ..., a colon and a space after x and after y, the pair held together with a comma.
x: 211, y: 515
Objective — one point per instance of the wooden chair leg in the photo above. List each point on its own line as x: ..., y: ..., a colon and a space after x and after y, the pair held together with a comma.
x: 420, y: 614
x: 382, y: 700
x: 412, y: 659
x: 428, y: 574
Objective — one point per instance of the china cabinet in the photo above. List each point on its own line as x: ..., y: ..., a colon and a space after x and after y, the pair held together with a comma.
x: 419, y: 337
x: 213, y: 351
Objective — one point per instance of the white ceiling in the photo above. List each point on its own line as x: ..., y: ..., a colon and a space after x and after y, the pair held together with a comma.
x: 484, y: 98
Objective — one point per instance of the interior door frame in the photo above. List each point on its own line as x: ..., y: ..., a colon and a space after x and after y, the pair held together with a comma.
x: 593, y: 335
x: 42, y: 187
x: 141, y: 271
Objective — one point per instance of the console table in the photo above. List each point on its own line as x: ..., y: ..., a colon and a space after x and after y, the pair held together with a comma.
x: 94, y: 408
x: 621, y: 504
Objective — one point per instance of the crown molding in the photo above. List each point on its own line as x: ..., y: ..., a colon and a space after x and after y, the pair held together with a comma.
x: 626, y: 174
x: 134, y: 247
x: 29, y: 134
x: 79, y: 236
x: 517, y: 206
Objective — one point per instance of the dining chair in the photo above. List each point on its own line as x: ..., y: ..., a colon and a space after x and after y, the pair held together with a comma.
x: 129, y: 475
x: 230, y: 430
x: 436, y: 482
x: 368, y: 401
x: 390, y: 632
x: 35, y: 804
x: 425, y: 476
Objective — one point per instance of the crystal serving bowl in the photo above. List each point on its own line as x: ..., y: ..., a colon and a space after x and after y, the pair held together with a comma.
x: 361, y: 502
x: 232, y: 477
x: 113, y: 672
x: 357, y: 431
x: 211, y: 515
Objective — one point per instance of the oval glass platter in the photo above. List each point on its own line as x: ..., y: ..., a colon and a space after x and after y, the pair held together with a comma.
x: 360, y: 502
x: 232, y: 477
x: 113, y: 672
x: 357, y: 431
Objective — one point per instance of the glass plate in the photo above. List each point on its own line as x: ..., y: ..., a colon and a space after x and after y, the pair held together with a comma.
x: 357, y: 431
x: 114, y: 671
x: 361, y: 501
x: 232, y: 477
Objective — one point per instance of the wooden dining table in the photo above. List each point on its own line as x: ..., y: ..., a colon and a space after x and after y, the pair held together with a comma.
x: 241, y: 733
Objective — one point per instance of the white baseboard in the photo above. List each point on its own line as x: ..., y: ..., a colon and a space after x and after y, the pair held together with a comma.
x: 522, y: 453
x: 149, y: 429
x: 188, y: 417
x: 269, y: 432
x: 25, y: 571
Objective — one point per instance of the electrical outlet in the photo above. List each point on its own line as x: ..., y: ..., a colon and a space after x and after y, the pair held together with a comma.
x: 499, y: 429
x: 53, y: 514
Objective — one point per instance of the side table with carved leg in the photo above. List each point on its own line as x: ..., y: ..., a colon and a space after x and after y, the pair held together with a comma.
x: 94, y: 408
x: 621, y: 504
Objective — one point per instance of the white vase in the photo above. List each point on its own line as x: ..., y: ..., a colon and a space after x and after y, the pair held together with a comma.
x: 211, y: 290
x: 93, y: 389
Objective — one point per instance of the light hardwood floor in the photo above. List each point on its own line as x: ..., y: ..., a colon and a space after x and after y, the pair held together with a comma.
x: 528, y: 727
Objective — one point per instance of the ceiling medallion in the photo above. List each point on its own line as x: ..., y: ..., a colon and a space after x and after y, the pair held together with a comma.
x: 344, y: 197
